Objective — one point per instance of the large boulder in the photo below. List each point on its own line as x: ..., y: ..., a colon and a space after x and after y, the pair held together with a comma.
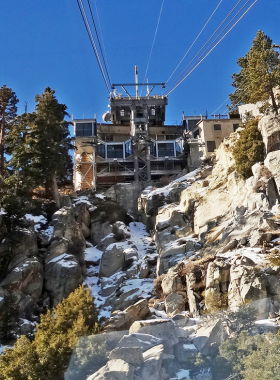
x: 99, y: 231
x: 159, y: 328
x: 143, y: 341
x: 171, y: 284
x: 112, y: 260
x: 175, y: 252
x: 152, y: 363
x: 174, y: 302
x: 67, y: 236
x: 248, y: 284
x: 218, y: 277
x: 116, y: 369
x: 63, y: 275
x: 272, y: 162
x: 132, y: 355
x: 270, y: 129
x: 18, y: 246
x: 193, y: 304
x: 139, y: 310
x: 26, y: 279
x: 208, y: 338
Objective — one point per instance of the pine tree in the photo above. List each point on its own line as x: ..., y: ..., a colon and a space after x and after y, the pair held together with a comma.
x: 39, y: 144
x: 9, y: 315
x: 248, y: 149
x: 47, y: 357
x: 259, y: 75
x: 8, y: 110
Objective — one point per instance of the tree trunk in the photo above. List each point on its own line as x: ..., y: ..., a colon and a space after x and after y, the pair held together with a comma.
x: 51, y: 189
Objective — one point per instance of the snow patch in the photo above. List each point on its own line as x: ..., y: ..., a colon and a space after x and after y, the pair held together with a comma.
x: 183, y: 374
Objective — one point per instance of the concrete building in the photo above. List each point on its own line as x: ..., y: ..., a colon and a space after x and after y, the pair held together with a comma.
x: 210, y: 133
x: 135, y: 145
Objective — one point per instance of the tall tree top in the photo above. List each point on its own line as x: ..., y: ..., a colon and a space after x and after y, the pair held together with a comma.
x: 259, y: 75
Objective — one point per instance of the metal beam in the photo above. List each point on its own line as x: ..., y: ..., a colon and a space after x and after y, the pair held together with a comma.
x: 135, y: 84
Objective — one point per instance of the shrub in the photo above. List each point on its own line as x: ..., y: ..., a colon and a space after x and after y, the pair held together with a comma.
x: 157, y: 286
x: 215, y: 302
x: 248, y: 149
x: 47, y: 357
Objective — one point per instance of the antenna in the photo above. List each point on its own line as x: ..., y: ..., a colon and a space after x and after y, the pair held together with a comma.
x: 136, y: 81
x: 25, y: 107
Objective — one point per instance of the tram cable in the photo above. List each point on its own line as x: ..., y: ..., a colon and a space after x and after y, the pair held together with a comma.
x: 152, y: 45
x: 92, y: 41
x: 209, y: 39
x: 207, y: 22
x: 96, y: 32
x: 185, y: 74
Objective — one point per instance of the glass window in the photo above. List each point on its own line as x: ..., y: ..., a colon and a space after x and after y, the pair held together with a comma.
x: 153, y: 149
x: 235, y: 127
x: 83, y: 129
x: 122, y: 112
x: 166, y: 149
x: 128, y: 150
x: 211, y: 146
x: 179, y: 147
x: 101, y: 150
x: 217, y: 127
x: 115, y: 151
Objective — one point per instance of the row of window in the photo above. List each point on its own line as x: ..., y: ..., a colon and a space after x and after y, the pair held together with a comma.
x: 218, y: 127
x: 123, y: 151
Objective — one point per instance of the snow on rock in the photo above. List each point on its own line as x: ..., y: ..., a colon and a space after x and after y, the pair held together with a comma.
x: 100, y: 196
x: 183, y: 374
x: 254, y: 254
x: 92, y: 254
x: 82, y: 199
x: 187, y: 179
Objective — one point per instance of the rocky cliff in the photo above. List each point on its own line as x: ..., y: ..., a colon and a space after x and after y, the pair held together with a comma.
x: 208, y: 242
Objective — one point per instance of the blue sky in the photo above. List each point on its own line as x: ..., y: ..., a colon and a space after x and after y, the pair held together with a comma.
x: 44, y: 43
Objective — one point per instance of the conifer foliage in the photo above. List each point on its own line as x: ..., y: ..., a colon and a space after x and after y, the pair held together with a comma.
x: 8, y: 110
x: 248, y: 149
x: 39, y: 145
x: 259, y: 75
x: 47, y: 357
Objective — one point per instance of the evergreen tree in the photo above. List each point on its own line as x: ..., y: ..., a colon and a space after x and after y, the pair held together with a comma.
x: 248, y: 149
x: 8, y: 110
x: 39, y: 144
x: 47, y: 357
x: 259, y: 75
x: 8, y: 316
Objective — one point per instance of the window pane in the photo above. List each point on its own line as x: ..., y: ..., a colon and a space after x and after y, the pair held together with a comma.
x: 217, y: 127
x: 83, y: 129
x: 235, y: 127
x: 211, y: 146
x: 101, y: 150
x: 114, y: 151
x: 166, y: 150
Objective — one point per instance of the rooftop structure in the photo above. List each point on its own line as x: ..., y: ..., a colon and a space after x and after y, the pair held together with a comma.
x: 133, y: 143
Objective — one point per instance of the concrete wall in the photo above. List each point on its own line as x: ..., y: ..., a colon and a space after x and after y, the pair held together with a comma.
x: 208, y: 133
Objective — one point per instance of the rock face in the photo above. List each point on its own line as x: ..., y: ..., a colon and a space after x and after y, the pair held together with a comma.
x: 272, y: 162
x: 270, y: 130
x: 161, y: 328
x: 112, y: 260
x: 152, y: 362
x: 208, y: 338
x: 65, y: 265
x: 116, y: 369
